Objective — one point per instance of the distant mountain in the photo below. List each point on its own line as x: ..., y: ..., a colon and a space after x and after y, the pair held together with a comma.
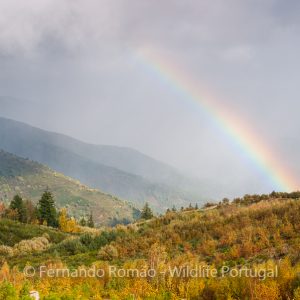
x: 30, y: 179
x: 123, y: 172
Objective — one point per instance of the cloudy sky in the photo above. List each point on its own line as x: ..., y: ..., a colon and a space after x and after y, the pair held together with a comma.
x: 76, y: 66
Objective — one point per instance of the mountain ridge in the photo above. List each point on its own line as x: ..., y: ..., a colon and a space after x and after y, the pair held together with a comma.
x: 89, y: 164
x: 29, y: 179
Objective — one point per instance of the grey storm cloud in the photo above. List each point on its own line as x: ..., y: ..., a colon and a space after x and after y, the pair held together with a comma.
x: 27, y: 26
x: 74, y: 60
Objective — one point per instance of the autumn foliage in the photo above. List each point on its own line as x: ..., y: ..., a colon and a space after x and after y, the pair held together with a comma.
x: 258, y: 233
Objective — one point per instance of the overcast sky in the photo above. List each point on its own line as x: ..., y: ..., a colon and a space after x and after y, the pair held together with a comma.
x: 75, y: 61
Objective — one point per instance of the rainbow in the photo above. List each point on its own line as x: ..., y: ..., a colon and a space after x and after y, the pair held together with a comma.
x: 231, y: 126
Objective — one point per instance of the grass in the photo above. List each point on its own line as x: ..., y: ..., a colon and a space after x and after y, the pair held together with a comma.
x: 12, y: 232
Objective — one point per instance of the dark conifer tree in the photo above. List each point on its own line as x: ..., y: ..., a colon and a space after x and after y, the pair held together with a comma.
x: 46, y: 210
x: 147, y: 212
x: 18, y: 205
x: 82, y: 222
x: 90, y: 222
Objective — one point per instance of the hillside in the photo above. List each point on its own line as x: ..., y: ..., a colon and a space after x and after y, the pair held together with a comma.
x: 256, y: 233
x: 12, y: 232
x: 122, y: 158
x: 241, y: 232
x: 30, y: 179
x: 123, y: 172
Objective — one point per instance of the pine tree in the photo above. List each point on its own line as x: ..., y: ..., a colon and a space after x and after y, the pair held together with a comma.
x: 146, y: 212
x: 90, y: 222
x: 46, y: 210
x: 82, y: 222
x: 18, y: 205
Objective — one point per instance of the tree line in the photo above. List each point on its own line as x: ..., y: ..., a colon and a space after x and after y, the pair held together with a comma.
x: 43, y: 213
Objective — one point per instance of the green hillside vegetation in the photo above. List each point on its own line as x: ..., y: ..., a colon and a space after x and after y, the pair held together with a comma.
x: 30, y: 179
x: 256, y: 231
x: 12, y: 232
x: 231, y: 233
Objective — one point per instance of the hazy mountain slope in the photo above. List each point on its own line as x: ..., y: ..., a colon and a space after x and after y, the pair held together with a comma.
x: 122, y: 158
x: 125, y: 159
x: 134, y: 162
x: 30, y: 179
x: 97, y: 166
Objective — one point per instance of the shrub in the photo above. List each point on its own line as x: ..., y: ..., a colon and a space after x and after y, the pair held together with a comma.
x: 108, y: 252
x: 71, y: 246
x: 86, y: 239
x: 7, y: 291
x: 37, y: 244
x: 103, y: 239
x: 297, y: 293
x: 6, y: 251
